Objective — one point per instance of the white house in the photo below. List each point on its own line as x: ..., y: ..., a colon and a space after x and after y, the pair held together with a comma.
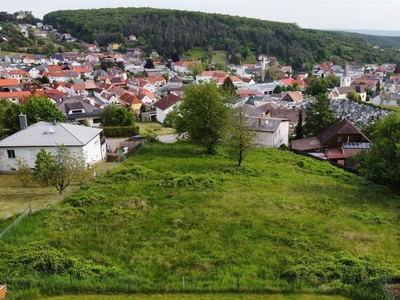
x: 27, y: 142
x: 272, y: 132
x: 165, y: 105
x: 341, y: 92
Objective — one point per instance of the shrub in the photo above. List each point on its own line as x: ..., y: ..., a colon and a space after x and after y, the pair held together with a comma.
x: 120, y: 131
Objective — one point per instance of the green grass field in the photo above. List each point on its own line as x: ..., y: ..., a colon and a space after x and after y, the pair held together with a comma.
x: 155, y: 127
x: 14, y: 198
x: 199, y: 297
x: 170, y: 213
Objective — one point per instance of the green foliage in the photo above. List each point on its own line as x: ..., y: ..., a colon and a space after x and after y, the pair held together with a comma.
x: 228, y: 89
x: 240, y: 139
x: 23, y: 171
x: 202, y: 115
x: 113, y: 115
x: 382, y: 163
x: 299, y: 131
x: 352, y: 95
x: 317, y: 86
x: 175, y: 32
x: 319, y: 115
x: 41, y: 109
x: 120, y: 131
x: 58, y: 168
x: 189, y: 181
x: 279, y: 222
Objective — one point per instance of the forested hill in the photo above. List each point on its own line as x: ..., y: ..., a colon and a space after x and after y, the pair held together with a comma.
x: 170, y: 31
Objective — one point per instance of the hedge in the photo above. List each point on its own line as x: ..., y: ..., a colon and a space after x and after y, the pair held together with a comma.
x: 120, y: 131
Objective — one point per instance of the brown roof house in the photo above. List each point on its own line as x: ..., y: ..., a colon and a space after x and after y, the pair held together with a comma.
x: 165, y: 105
x: 338, y: 141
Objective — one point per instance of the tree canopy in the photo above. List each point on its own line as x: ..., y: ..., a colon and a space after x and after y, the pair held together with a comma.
x: 175, y: 31
x: 382, y: 163
x: 58, y: 168
x: 239, y: 139
x: 202, y: 115
x: 113, y: 115
x: 319, y: 115
x: 36, y: 109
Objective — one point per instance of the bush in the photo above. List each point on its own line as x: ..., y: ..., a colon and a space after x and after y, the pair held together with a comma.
x: 120, y: 131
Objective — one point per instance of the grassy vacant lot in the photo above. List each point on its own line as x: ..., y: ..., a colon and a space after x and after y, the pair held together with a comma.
x: 14, y: 198
x: 280, y: 223
x: 200, y: 297
x: 155, y: 127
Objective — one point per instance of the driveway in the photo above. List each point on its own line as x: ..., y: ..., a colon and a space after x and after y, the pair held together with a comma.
x: 169, y: 138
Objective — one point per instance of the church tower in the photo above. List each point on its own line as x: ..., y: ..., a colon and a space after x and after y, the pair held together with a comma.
x: 345, y: 80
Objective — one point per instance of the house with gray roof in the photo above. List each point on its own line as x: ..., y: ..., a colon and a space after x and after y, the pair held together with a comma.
x: 27, y: 142
x: 271, y: 132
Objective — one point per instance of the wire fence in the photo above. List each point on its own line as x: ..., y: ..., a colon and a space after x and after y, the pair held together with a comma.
x: 53, y: 285
x: 26, y: 213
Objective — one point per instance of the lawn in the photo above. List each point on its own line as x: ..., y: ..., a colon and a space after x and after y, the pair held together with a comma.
x: 155, y: 127
x: 14, y: 198
x: 199, y: 297
x: 171, y: 216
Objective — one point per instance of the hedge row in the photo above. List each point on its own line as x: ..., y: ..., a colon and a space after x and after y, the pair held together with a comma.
x: 120, y: 131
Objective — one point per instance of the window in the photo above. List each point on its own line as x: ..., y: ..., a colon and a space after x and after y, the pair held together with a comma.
x: 339, y: 139
x: 11, y: 153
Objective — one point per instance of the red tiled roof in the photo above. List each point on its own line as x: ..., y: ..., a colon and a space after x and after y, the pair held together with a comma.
x: 8, y: 82
x: 16, y: 94
x: 167, y: 101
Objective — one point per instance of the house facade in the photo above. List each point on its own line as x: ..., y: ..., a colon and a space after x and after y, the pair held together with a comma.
x: 166, y: 105
x: 271, y: 132
x: 27, y: 143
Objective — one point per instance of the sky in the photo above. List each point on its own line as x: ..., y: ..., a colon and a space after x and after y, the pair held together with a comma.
x: 317, y: 14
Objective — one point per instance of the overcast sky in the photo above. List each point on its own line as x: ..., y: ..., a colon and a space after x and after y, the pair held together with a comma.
x: 318, y: 14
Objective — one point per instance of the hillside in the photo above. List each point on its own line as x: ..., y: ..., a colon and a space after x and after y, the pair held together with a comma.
x: 280, y: 223
x: 170, y: 31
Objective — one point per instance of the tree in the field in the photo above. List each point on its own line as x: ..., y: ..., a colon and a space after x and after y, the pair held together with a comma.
x: 228, y: 89
x: 202, y: 115
x: 58, y: 168
x: 319, y: 115
x: 23, y: 172
x: 299, y: 131
x: 42, y: 172
x: 352, y: 95
x: 382, y: 163
x: 39, y: 109
x: 239, y: 139
x: 113, y: 115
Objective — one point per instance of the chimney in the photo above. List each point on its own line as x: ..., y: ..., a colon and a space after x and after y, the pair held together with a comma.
x: 54, y: 121
x: 23, y: 123
x: 259, y: 121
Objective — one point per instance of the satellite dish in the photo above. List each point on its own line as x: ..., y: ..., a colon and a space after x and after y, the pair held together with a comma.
x: 52, y: 129
x: 266, y: 122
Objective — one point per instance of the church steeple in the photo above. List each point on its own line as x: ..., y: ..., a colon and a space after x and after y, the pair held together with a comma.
x: 345, y: 80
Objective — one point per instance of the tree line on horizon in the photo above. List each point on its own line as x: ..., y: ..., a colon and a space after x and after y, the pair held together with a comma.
x: 172, y: 32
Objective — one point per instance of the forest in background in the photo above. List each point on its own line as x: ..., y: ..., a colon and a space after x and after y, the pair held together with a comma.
x: 175, y: 31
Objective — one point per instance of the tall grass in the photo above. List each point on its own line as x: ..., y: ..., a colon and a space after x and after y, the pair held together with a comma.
x: 281, y: 223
